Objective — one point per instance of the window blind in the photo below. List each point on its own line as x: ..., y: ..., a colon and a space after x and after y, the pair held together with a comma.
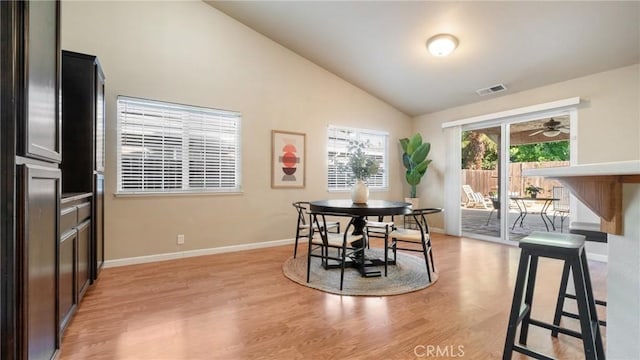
x: 339, y: 177
x: 165, y: 147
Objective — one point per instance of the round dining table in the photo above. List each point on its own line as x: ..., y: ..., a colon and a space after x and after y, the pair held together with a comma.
x: 361, y: 211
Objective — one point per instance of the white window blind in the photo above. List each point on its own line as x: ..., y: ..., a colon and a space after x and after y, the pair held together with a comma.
x: 339, y: 177
x: 168, y: 148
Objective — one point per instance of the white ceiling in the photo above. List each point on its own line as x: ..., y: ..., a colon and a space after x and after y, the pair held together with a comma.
x: 380, y: 46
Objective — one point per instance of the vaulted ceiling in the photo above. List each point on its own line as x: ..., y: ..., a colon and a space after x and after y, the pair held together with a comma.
x: 380, y: 46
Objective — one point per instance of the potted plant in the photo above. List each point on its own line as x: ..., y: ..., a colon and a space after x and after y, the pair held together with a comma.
x: 362, y: 167
x: 533, y: 190
x: 415, y: 161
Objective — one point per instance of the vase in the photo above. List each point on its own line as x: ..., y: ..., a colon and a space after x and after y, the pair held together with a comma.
x: 360, y: 192
x: 413, y: 201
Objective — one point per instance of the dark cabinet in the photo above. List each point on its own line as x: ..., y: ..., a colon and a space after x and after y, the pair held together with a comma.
x: 30, y: 179
x: 39, y: 195
x: 40, y: 132
x: 83, y: 119
x: 83, y: 127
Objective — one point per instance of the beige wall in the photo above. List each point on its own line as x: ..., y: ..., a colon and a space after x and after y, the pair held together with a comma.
x: 188, y: 52
x: 608, y: 122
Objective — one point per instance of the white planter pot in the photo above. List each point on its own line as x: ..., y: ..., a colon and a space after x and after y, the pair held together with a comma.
x: 360, y: 192
x: 413, y: 201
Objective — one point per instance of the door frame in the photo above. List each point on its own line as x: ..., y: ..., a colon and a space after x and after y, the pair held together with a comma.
x: 503, y: 119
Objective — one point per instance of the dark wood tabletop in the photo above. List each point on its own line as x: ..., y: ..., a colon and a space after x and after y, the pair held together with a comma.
x: 371, y: 208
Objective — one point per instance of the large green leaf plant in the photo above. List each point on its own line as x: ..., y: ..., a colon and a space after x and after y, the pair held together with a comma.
x: 415, y: 160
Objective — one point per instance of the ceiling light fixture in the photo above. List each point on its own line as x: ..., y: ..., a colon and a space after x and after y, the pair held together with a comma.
x: 442, y: 44
x: 551, y: 133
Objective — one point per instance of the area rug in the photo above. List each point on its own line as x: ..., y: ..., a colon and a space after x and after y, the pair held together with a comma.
x: 410, y: 274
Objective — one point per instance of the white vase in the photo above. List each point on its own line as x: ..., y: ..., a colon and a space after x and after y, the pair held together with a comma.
x: 413, y: 201
x: 360, y: 192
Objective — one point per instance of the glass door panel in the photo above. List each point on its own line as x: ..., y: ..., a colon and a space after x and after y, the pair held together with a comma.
x: 481, y: 172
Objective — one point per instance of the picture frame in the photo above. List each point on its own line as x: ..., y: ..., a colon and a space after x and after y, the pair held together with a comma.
x: 288, y: 163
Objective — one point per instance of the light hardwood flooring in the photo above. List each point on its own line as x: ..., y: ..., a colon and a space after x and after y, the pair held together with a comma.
x: 240, y: 306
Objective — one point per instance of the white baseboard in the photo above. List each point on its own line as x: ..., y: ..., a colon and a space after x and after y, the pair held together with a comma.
x: 598, y: 257
x: 192, y: 253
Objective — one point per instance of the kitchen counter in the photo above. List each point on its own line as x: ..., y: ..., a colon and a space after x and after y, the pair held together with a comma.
x: 612, y: 191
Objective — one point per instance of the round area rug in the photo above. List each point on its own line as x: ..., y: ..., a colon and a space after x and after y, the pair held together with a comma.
x: 410, y: 274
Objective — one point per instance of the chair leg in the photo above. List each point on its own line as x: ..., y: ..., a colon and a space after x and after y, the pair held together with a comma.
x: 426, y: 258
x: 386, y: 252
x: 309, y: 255
x: 295, y: 247
x: 344, y: 252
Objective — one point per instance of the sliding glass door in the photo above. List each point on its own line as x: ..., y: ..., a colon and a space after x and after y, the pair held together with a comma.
x: 481, y: 171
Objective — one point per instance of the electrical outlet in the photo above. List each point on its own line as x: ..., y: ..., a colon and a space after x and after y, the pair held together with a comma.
x: 180, y: 239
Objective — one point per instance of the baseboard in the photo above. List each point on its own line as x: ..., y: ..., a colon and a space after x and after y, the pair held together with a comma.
x: 598, y: 257
x: 192, y: 253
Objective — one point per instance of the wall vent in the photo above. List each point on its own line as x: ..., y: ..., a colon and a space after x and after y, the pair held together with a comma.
x: 491, y: 90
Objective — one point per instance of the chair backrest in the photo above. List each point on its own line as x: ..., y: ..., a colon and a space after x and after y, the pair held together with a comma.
x: 420, y: 218
x: 562, y: 194
x: 317, y: 218
x: 301, y: 208
x: 469, y: 192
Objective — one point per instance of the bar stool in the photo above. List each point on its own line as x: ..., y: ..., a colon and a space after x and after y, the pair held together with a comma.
x: 591, y: 232
x: 570, y: 249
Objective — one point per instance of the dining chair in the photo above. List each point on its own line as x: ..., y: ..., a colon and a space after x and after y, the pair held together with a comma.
x: 328, y: 246
x: 417, y: 240
x: 302, y: 229
x: 380, y: 229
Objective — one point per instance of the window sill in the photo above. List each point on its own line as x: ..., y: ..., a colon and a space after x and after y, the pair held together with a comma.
x: 176, y: 194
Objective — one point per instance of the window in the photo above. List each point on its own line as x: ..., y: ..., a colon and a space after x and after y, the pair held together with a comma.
x: 172, y: 148
x: 337, y: 143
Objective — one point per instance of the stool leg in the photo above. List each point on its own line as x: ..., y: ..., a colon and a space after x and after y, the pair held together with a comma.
x: 528, y: 299
x: 592, y: 305
x: 584, y: 310
x: 518, y: 293
x: 561, y: 296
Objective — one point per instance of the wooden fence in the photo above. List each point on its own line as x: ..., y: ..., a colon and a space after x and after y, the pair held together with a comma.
x: 486, y: 181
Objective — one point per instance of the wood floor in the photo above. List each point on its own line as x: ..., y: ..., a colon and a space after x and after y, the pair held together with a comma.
x: 240, y: 306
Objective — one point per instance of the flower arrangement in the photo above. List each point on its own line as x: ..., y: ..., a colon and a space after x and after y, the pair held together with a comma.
x: 362, y: 166
x: 533, y: 190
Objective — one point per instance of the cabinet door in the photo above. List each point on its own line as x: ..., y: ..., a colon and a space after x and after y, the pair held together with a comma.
x: 83, y: 257
x: 98, y: 225
x: 67, y: 276
x: 39, y: 192
x: 41, y: 136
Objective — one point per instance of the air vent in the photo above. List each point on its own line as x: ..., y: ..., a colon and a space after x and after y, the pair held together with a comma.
x: 491, y: 90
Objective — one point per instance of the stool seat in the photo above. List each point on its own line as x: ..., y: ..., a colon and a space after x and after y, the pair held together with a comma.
x: 570, y: 249
x: 539, y: 239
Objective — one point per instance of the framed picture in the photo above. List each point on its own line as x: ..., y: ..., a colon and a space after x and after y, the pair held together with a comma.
x: 288, y: 150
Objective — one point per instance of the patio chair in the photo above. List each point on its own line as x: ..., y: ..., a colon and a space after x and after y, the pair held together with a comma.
x: 560, y: 206
x: 475, y: 199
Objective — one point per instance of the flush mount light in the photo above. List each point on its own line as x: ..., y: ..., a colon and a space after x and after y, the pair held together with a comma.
x: 442, y: 44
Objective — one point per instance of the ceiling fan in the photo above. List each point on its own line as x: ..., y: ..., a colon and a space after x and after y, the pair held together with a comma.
x: 551, y: 128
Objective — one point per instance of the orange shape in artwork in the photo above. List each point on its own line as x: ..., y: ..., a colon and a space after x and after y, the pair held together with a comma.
x: 289, y: 148
x: 289, y: 159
